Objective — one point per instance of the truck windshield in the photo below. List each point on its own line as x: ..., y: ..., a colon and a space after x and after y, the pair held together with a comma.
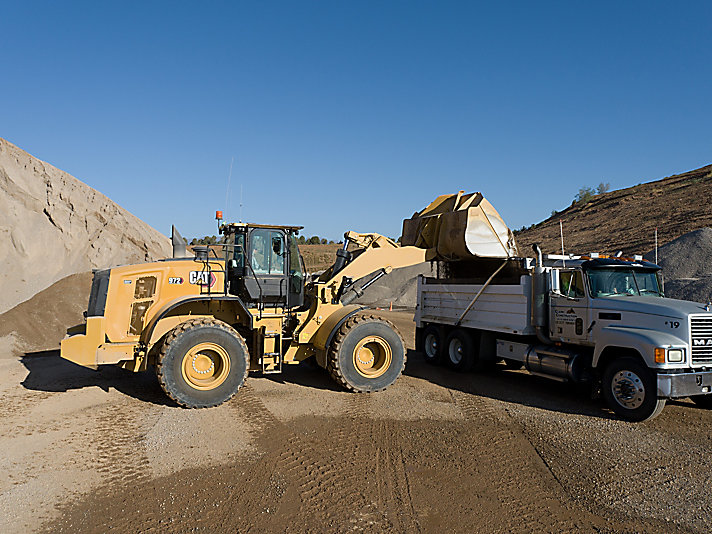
x: 616, y: 282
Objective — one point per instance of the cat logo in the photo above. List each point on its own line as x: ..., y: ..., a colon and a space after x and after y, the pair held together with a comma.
x: 202, y: 278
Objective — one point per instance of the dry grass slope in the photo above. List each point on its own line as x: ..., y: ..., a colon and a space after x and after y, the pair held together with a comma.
x: 626, y: 219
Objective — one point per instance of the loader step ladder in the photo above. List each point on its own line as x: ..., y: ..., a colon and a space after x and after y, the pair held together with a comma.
x: 272, y: 361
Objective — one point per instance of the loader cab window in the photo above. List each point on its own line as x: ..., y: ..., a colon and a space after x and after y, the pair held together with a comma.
x: 267, y: 252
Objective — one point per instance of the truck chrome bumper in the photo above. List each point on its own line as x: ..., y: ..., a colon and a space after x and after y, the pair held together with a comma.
x: 674, y: 385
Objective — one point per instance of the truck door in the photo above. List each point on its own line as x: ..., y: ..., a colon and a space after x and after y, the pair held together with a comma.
x: 569, y: 313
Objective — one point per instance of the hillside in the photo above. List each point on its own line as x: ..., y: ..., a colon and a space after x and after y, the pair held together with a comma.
x: 626, y: 219
x: 52, y: 226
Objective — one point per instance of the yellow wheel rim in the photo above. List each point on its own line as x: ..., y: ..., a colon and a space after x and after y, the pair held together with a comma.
x: 206, y: 366
x: 372, y: 356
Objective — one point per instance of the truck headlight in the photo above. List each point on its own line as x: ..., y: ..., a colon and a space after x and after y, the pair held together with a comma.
x: 675, y: 355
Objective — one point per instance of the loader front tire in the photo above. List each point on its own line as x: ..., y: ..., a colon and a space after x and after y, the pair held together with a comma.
x: 366, y: 355
x: 202, y: 363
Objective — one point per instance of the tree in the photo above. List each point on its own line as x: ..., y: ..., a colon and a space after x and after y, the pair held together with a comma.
x: 313, y: 240
x: 302, y: 240
x: 584, y: 195
x: 603, y: 188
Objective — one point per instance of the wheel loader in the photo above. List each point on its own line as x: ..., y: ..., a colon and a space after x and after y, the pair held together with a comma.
x: 206, y: 320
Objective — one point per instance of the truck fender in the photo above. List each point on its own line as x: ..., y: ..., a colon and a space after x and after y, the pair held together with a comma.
x: 323, y: 336
x: 642, y: 340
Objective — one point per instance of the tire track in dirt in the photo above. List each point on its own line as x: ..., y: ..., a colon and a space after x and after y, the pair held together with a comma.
x: 119, y: 439
x: 393, y: 479
x: 322, y: 473
x: 509, y: 455
x: 376, y: 469
x: 353, y: 478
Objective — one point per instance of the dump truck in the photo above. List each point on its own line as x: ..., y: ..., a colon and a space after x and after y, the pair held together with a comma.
x: 205, y: 320
x: 594, y: 320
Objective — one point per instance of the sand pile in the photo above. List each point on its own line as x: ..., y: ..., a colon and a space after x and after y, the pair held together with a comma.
x: 52, y: 225
x: 41, y: 322
x: 687, y: 266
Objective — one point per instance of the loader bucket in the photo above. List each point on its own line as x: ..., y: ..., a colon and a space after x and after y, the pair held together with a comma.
x: 458, y: 227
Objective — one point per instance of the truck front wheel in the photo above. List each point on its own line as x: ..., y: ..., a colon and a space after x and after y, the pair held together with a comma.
x: 630, y: 390
x: 202, y: 363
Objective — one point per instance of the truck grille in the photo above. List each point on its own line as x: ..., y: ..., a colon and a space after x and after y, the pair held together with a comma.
x: 701, y: 330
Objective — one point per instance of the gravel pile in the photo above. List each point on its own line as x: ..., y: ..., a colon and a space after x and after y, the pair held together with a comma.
x: 687, y: 266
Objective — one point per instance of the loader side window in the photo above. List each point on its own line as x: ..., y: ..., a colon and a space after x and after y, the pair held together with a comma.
x: 267, y: 255
x: 239, y: 252
x: 296, y: 275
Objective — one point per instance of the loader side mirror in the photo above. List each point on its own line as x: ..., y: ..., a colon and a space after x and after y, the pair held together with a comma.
x: 277, y: 245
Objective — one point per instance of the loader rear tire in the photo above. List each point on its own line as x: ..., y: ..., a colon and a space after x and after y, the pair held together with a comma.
x: 366, y: 355
x: 202, y: 363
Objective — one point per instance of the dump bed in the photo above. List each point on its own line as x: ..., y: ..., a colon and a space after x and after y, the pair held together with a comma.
x: 500, y: 308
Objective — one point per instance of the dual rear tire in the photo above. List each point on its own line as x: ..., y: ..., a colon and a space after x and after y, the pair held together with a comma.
x: 457, y: 348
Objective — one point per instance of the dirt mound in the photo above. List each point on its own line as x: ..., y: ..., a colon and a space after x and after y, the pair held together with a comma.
x: 626, y: 219
x: 41, y: 322
x: 53, y: 225
x: 688, y: 256
x: 687, y: 266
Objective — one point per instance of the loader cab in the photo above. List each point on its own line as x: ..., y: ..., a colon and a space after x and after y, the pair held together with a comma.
x: 264, y: 266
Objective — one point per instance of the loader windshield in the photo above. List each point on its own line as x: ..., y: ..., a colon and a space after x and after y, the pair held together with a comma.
x: 622, y: 281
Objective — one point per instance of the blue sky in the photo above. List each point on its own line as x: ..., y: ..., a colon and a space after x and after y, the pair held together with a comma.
x: 353, y: 115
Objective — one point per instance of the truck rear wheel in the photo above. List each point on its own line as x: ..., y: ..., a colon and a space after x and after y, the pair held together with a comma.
x: 366, y: 355
x: 432, y: 342
x: 631, y: 391
x: 202, y: 363
x: 460, y: 350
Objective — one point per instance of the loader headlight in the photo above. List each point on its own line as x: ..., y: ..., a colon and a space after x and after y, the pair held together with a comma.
x: 675, y: 355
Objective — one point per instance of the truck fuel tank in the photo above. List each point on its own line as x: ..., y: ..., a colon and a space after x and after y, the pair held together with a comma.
x: 545, y: 360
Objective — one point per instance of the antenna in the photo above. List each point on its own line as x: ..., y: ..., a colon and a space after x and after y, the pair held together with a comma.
x: 656, y: 245
x: 240, y: 202
x: 227, y: 190
x: 561, y: 230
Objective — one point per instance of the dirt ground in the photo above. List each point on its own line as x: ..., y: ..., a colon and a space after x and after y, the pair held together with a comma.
x: 87, y: 451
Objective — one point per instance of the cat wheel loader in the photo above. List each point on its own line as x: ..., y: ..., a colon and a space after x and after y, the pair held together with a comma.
x: 206, y: 320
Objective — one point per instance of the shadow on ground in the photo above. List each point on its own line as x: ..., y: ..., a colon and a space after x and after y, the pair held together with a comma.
x: 517, y: 387
x: 306, y: 374
x: 49, y: 372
